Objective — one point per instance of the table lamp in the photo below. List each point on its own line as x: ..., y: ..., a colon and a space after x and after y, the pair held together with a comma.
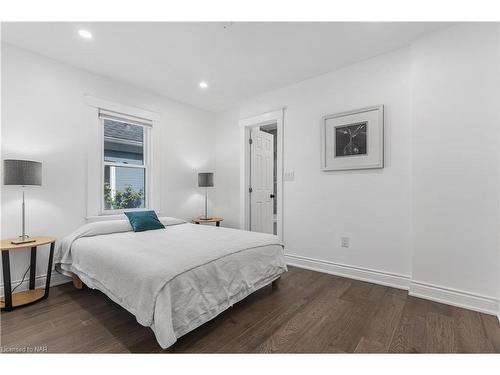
x: 206, y: 180
x: 22, y: 173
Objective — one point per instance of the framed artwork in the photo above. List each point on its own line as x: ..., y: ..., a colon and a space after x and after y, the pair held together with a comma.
x: 353, y: 139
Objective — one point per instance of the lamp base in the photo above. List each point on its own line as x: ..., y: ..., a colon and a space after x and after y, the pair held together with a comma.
x: 205, y: 218
x: 22, y: 239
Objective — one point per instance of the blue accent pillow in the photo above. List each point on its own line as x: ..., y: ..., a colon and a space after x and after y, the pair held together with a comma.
x: 144, y: 220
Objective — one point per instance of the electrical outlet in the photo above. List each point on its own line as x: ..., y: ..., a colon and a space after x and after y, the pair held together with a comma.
x: 344, y: 241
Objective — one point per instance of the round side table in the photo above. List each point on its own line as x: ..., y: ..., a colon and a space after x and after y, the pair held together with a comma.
x: 11, y: 301
x: 202, y: 220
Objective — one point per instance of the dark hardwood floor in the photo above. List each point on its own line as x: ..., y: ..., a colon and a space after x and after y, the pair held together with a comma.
x: 309, y: 312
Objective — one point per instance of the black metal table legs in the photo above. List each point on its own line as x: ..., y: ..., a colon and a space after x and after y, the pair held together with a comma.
x: 49, y: 271
x: 6, y: 280
x: 7, y: 284
x: 33, y: 267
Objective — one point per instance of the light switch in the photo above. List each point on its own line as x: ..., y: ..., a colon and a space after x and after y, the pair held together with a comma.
x: 289, y: 176
x: 344, y: 241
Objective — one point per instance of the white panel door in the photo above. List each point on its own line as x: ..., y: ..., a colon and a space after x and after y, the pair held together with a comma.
x: 261, y: 182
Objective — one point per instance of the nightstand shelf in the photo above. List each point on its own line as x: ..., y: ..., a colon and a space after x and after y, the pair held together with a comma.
x: 24, y: 298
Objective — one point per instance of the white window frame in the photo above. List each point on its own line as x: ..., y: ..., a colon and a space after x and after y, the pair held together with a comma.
x: 95, y: 156
x: 146, y: 165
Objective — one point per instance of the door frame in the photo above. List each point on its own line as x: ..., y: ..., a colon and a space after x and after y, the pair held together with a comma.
x: 268, y: 118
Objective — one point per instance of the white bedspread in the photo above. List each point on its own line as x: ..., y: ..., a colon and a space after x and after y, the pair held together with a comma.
x: 172, y: 279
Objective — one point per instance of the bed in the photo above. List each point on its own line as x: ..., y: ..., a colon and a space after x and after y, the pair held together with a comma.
x: 174, y: 279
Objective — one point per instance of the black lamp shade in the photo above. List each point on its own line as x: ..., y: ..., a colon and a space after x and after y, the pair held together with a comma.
x: 22, y: 172
x: 205, y: 179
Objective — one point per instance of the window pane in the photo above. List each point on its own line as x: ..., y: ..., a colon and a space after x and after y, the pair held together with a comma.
x: 124, y: 187
x: 123, y: 143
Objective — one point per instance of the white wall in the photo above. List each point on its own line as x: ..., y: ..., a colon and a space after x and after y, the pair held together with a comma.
x: 372, y: 207
x: 455, y: 142
x: 227, y: 160
x: 44, y: 118
x: 431, y: 215
x: 498, y: 227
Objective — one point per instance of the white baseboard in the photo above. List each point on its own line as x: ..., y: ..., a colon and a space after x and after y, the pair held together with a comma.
x: 357, y: 273
x: 436, y: 293
x: 454, y: 297
x: 55, y: 279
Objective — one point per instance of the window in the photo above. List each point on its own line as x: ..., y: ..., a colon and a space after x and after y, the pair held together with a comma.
x: 125, y: 163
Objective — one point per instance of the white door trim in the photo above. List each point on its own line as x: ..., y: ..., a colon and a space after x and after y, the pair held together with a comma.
x: 274, y: 117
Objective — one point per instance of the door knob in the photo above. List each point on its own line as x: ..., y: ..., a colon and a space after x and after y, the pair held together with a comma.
x: 272, y: 196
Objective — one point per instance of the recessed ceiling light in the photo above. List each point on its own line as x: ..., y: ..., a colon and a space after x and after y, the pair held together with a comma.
x: 203, y: 85
x: 85, y: 34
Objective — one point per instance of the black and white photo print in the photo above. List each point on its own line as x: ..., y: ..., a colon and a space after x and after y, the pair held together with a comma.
x: 351, y: 139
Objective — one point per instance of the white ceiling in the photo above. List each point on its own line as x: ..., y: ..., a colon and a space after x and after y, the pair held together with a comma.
x: 238, y: 60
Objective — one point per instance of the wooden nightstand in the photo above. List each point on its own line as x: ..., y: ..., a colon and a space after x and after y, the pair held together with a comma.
x: 201, y: 220
x: 10, y: 301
